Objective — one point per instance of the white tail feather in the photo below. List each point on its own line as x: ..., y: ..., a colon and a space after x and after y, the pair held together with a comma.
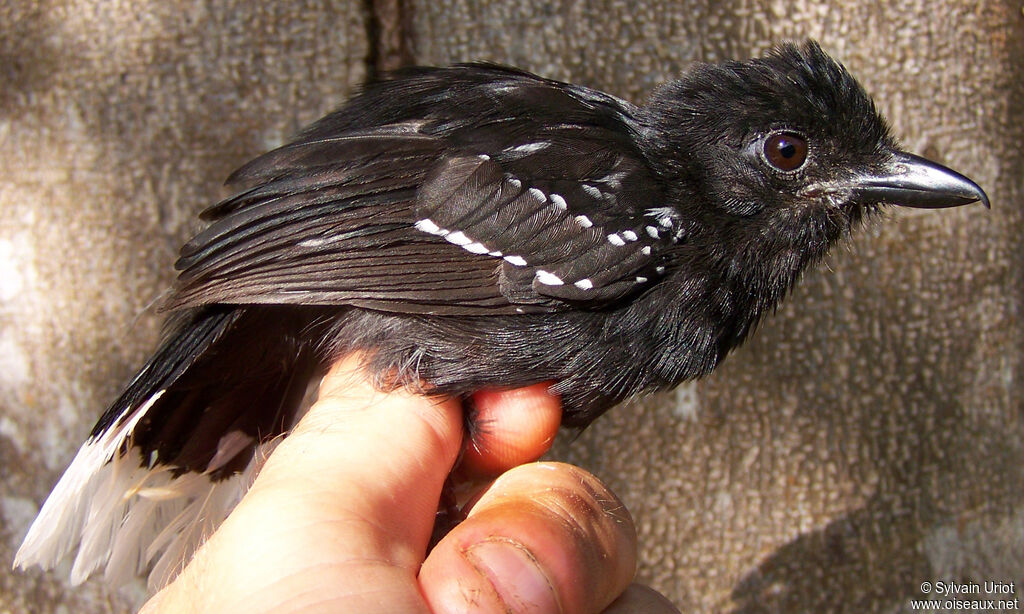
x: 58, y: 527
x: 130, y: 516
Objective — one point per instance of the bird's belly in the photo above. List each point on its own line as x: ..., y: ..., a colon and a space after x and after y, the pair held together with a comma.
x: 592, y: 363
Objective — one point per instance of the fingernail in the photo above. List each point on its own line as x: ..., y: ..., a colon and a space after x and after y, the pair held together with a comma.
x: 515, y: 575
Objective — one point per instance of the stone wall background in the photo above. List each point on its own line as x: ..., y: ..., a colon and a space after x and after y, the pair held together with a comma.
x: 868, y: 438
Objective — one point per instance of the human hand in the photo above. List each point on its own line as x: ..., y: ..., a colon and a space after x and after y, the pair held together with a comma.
x: 340, y: 517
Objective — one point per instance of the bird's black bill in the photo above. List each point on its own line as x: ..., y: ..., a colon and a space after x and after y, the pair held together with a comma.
x: 913, y: 181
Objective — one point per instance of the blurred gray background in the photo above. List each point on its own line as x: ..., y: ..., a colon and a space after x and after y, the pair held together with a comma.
x: 867, y: 439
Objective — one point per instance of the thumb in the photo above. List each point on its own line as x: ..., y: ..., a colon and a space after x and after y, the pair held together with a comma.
x: 340, y: 516
x: 363, y: 454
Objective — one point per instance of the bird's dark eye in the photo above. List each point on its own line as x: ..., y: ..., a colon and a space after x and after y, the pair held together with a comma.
x: 785, y: 151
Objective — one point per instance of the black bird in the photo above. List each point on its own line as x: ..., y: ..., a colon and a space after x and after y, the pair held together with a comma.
x: 470, y: 227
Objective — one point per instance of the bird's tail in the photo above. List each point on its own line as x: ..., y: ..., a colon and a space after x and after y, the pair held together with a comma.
x: 177, y: 450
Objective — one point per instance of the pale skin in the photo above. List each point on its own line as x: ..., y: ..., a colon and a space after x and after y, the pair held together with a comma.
x: 340, y: 517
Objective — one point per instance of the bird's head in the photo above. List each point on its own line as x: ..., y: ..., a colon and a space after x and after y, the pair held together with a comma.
x: 780, y: 156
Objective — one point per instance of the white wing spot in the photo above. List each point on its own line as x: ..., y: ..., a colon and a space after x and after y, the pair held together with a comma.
x: 559, y: 202
x: 640, y: 279
x: 539, y: 195
x: 666, y: 222
x: 614, y: 180
x: 660, y: 212
x: 646, y: 251
x: 313, y: 242
x: 484, y: 157
x: 659, y: 269
x: 615, y: 239
x: 548, y: 279
x: 529, y: 148
x: 515, y: 183
x: 459, y: 238
x: 591, y: 190
x: 652, y: 231
x: 629, y: 235
x: 583, y: 221
x: 496, y: 254
x: 584, y: 284
x: 427, y: 225
x: 516, y: 260
x: 476, y: 248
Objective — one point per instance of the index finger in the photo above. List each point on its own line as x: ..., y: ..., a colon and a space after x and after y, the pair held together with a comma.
x: 512, y: 427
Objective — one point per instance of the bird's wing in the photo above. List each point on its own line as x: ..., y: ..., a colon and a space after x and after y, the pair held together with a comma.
x: 440, y: 215
x: 573, y: 217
